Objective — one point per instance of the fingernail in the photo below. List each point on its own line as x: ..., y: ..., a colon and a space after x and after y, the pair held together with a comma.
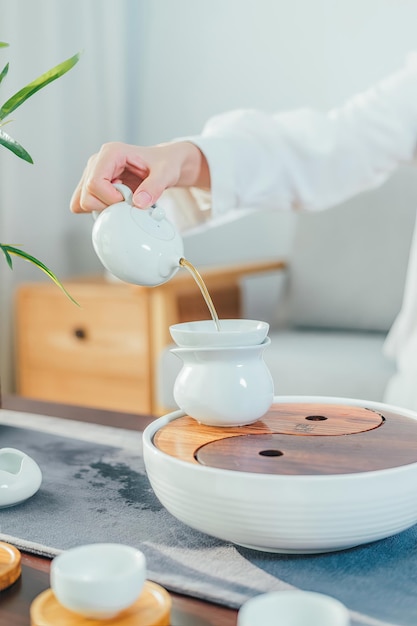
x: 142, y: 199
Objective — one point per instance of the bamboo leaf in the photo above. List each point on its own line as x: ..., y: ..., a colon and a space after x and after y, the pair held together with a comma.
x: 26, y: 92
x: 11, y: 144
x: 4, y: 72
x: 3, y: 44
x: 8, y: 250
x: 7, y: 255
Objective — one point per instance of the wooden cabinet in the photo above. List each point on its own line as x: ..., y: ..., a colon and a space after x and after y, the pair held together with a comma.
x: 104, y: 352
x: 96, y: 354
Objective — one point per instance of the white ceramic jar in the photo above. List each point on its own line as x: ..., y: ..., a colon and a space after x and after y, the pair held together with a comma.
x: 224, y: 386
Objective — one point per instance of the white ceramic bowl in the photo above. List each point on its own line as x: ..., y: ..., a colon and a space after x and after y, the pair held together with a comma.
x: 282, y: 513
x: 239, y: 332
x: 98, y: 580
x: 293, y: 608
x: 20, y: 477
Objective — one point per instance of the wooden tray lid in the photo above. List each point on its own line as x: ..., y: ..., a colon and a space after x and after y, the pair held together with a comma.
x: 10, y: 567
x: 152, y: 608
x: 297, y: 438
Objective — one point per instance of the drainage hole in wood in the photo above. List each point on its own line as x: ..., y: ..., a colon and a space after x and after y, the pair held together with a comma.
x: 316, y: 418
x: 271, y: 453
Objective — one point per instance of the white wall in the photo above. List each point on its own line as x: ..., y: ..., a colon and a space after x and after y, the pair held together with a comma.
x: 156, y: 69
x: 205, y: 56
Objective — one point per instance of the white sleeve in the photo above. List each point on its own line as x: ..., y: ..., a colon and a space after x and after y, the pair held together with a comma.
x: 310, y: 160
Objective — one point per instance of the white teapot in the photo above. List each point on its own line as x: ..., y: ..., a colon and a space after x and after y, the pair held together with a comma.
x: 138, y: 246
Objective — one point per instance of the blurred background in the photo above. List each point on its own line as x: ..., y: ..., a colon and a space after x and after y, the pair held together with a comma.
x: 153, y: 70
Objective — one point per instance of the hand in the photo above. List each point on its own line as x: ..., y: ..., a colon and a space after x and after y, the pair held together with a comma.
x: 148, y: 171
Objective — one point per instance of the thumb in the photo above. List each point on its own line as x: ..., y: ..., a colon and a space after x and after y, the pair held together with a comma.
x: 148, y: 192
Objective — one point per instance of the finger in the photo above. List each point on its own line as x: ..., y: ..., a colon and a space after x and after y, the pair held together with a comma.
x: 96, y: 195
x: 75, y: 202
x: 95, y: 190
x: 93, y: 193
x: 150, y: 190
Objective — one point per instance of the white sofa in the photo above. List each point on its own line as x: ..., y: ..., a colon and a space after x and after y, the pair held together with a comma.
x: 330, y: 311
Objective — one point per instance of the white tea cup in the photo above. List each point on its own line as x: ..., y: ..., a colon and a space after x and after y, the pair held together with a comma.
x: 293, y: 608
x: 98, y: 580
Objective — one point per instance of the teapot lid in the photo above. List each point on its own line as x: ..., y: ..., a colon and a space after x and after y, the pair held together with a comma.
x: 152, y: 221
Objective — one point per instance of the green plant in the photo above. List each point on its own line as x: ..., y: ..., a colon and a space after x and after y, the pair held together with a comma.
x: 11, y: 144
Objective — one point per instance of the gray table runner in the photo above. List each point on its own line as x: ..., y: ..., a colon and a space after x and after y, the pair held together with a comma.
x: 95, y: 489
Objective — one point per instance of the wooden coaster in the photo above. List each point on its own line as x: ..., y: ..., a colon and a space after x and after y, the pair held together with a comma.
x: 152, y: 608
x: 297, y: 439
x: 10, y: 568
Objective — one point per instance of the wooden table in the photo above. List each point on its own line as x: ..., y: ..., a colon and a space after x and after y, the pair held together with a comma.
x: 15, y: 601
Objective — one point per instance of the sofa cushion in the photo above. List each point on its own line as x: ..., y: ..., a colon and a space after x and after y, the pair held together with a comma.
x: 348, y: 263
x: 329, y: 363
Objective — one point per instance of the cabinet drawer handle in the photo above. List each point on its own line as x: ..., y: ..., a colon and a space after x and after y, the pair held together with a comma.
x: 80, y: 333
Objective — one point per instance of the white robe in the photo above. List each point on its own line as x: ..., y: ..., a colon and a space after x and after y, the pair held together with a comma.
x: 309, y: 160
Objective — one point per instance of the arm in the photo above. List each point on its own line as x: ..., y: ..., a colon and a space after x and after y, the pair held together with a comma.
x: 297, y: 160
x: 309, y: 160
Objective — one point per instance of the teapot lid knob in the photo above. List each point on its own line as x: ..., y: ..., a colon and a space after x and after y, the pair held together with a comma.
x: 158, y: 213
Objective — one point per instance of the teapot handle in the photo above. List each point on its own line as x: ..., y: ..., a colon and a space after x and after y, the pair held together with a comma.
x: 126, y: 193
